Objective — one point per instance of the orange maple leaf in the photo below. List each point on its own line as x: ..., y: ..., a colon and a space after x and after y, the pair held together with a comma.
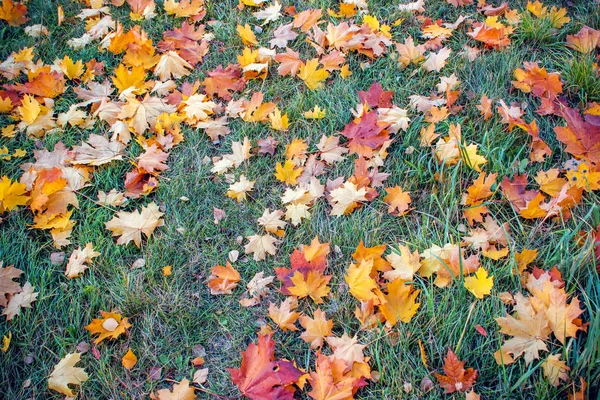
x: 457, y: 379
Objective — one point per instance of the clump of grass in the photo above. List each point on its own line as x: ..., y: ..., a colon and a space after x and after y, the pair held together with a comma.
x: 537, y: 30
x: 582, y: 78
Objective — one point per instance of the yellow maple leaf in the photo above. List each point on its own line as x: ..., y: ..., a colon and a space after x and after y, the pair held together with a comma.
x: 316, y: 113
x: 134, y: 78
x: 288, y: 173
x: 480, y: 284
x: 279, y: 122
x: 72, y: 70
x: 246, y: 34
x: 359, y: 281
x: 29, y: 109
x: 313, y: 285
x: 12, y: 194
x: 471, y: 158
x: 311, y: 75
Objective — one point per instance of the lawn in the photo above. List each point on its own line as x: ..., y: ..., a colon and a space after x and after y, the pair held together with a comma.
x: 489, y: 183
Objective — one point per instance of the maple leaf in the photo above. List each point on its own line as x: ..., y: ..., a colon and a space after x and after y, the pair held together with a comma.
x: 397, y: 200
x: 180, y: 391
x: 283, y: 315
x: 7, y: 285
x: 261, y: 377
x: 315, y: 113
x: 537, y: 81
x: 238, y: 190
x: 223, y: 279
x: 555, y: 370
x: 316, y: 328
x: 152, y: 159
x: 365, y: 132
x: 561, y: 316
x: 12, y: 194
x: 13, y: 13
x: 311, y: 75
x: 272, y: 222
x: 457, y: 378
x: 437, y: 61
x: 129, y: 360
x: 581, y: 135
x: 222, y: 82
x: 130, y: 225
x: 460, y: 3
x: 267, y: 145
x: 288, y: 173
x: 260, y: 246
x: 307, y: 19
x: 279, y: 122
x: 257, y: 288
x: 72, y: 70
x: 143, y: 114
x: 22, y: 299
x: 359, y: 281
x: 346, y: 198
x: 29, y: 109
x: 198, y: 108
x: 404, y: 264
x: 312, y: 284
x: 185, y: 8
x: 485, y: 107
x: 480, y: 284
x: 409, y: 53
x: 78, y: 259
x: 332, y: 380
x: 376, y: 96
x: 110, y: 326
x: 331, y: 151
x: 97, y: 151
x: 171, y: 65
x: 347, y: 349
x: 269, y: 14
x: 65, y: 373
x: 282, y: 35
x: 125, y: 79
x: 491, y: 32
x: 529, y: 330
x: 399, y: 304
x: 246, y: 34
x: 373, y: 254
x: 584, y: 41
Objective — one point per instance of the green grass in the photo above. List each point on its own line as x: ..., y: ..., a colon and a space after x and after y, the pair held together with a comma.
x: 173, y: 315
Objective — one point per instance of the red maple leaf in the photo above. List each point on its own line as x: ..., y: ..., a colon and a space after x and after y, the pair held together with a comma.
x: 376, y: 96
x: 261, y: 377
x: 366, y: 132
